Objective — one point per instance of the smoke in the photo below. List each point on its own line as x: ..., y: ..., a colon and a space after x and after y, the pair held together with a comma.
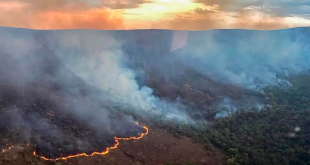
x: 52, y: 107
x: 232, y: 59
x: 74, y: 86
x: 82, y: 82
x: 252, y: 59
x: 227, y: 107
x: 97, y: 58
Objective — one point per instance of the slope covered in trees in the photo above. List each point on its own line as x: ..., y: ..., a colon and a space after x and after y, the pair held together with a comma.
x: 277, y: 135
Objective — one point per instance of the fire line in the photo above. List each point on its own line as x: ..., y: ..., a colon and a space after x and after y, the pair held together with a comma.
x: 117, y: 139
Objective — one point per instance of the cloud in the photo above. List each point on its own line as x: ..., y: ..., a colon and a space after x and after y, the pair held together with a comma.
x: 54, y: 5
x: 145, y: 14
x: 229, y: 5
x: 123, y: 4
x: 257, y: 20
x: 247, y: 19
x: 58, y: 14
x: 203, y: 11
x: 92, y: 19
x: 191, y: 24
x: 276, y: 7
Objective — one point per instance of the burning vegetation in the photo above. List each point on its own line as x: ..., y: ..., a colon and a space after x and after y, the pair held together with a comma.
x: 45, y: 105
x: 72, y: 94
x: 106, y: 151
x: 55, y: 134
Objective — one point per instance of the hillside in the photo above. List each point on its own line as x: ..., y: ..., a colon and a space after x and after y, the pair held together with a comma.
x: 73, y: 91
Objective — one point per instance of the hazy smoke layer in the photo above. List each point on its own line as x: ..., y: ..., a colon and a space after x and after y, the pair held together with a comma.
x: 73, y: 83
x: 97, y: 58
x: 90, y: 77
x: 227, y: 106
x: 51, y: 106
x: 252, y: 59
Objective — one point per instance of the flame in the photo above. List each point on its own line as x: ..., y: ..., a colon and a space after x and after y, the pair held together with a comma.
x: 92, y: 154
x: 117, y: 139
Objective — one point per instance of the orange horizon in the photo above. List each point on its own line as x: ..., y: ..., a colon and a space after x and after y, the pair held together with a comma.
x: 189, y: 15
x: 60, y: 29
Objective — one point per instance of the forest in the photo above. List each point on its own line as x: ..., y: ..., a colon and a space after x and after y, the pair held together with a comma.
x: 165, y: 93
x: 277, y: 135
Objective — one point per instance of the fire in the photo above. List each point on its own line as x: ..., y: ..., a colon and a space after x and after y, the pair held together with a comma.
x: 117, y: 139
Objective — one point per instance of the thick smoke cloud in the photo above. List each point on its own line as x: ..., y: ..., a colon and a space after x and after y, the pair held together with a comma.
x: 49, y: 105
x: 89, y: 78
x: 73, y: 86
x: 97, y: 58
x: 252, y: 59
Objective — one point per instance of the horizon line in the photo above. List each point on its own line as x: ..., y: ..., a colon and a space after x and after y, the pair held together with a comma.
x: 136, y: 29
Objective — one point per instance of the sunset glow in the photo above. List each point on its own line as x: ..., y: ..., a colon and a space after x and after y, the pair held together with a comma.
x: 146, y: 14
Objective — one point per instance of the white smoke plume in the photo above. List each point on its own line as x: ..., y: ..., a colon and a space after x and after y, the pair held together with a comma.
x: 40, y: 68
x: 253, y: 59
x: 97, y: 58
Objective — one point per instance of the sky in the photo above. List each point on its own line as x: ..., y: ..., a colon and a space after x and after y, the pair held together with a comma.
x: 155, y: 14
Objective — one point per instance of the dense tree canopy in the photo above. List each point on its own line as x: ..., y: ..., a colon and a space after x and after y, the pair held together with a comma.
x: 278, y: 135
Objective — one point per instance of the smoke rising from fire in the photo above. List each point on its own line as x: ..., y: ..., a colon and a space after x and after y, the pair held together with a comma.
x: 49, y: 105
x: 68, y: 80
x: 94, y: 76
x: 253, y: 59
x: 98, y: 59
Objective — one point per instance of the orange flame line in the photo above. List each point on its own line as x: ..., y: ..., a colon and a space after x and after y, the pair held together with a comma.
x: 97, y: 153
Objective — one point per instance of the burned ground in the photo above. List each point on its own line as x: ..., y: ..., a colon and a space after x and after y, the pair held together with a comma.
x: 159, y: 147
x: 47, y: 105
x: 39, y: 110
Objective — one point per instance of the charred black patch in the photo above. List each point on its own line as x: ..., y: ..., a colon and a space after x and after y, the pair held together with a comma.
x: 54, y: 110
